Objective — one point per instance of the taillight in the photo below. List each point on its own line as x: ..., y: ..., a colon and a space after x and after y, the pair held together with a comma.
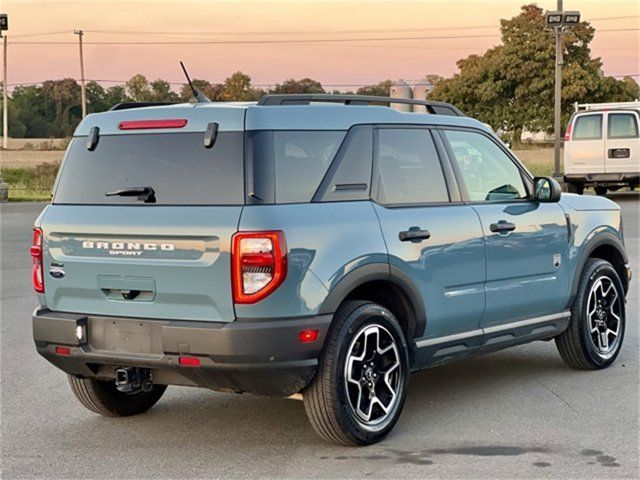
x: 567, y: 133
x: 36, y: 254
x: 258, y: 264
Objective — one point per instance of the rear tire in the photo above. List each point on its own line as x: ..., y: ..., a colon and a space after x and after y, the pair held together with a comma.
x: 358, y: 393
x: 600, y: 190
x: 575, y: 188
x: 598, y: 308
x: 102, y: 397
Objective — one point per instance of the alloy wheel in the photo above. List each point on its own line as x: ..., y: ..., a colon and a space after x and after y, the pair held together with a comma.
x: 373, y: 374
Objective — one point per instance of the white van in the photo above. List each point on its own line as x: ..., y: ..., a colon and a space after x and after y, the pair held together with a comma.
x: 602, y: 147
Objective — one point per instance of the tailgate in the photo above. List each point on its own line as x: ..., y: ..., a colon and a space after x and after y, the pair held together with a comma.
x: 161, y: 262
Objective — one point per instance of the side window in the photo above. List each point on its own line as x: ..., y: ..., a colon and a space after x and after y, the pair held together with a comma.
x: 409, y: 168
x: 488, y: 173
x: 301, y: 161
x: 587, y: 127
x: 622, y: 125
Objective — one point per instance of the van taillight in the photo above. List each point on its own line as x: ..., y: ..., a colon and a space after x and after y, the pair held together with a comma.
x: 567, y: 133
x: 258, y: 264
x: 36, y: 254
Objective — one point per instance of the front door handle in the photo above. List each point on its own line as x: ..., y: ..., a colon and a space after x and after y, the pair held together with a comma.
x: 414, y: 234
x: 502, y: 226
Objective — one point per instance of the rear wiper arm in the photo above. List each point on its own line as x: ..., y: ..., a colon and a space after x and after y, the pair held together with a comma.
x: 146, y: 194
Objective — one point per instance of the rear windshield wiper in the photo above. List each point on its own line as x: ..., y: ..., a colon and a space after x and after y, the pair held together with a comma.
x: 146, y: 194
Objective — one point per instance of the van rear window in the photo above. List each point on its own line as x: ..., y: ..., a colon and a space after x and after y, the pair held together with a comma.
x: 588, y: 127
x: 177, y: 166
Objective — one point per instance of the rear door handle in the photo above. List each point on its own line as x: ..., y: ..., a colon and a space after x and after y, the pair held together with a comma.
x: 414, y: 234
x: 502, y: 226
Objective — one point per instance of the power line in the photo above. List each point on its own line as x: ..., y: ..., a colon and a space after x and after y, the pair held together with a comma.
x: 291, y: 41
x: 288, y: 40
x: 365, y: 84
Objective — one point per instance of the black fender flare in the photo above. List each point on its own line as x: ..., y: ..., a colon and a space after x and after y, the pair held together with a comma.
x: 599, y: 240
x: 378, y: 271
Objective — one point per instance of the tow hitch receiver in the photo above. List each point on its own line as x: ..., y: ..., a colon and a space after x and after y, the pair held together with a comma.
x: 133, y: 380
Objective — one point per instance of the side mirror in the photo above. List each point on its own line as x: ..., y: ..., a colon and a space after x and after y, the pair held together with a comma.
x: 546, y: 190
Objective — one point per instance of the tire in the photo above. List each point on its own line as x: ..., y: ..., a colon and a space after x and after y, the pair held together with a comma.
x: 600, y: 190
x: 579, y: 347
x: 575, y: 188
x: 102, y: 397
x: 330, y: 398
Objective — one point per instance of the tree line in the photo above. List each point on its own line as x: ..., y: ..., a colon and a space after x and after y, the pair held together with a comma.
x: 510, y: 86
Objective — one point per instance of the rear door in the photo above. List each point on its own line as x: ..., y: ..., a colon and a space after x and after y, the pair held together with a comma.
x: 623, y: 143
x: 585, y: 151
x: 124, y: 256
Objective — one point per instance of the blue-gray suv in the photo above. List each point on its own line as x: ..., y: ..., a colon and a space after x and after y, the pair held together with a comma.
x: 313, y: 246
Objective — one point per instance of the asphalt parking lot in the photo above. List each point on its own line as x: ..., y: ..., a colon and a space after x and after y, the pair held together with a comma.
x: 519, y: 413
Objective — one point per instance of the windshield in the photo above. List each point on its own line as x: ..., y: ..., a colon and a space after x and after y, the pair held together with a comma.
x: 176, y: 167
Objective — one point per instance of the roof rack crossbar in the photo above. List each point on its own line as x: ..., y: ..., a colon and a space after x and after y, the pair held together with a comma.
x: 305, y: 99
x: 595, y: 106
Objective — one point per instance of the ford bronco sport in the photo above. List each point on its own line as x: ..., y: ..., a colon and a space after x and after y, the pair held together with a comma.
x: 317, y: 245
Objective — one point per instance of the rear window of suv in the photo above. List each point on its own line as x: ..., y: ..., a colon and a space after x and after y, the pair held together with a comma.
x: 177, y: 166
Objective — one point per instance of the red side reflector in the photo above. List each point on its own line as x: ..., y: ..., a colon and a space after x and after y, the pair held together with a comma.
x: 63, y: 351
x: 307, y: 336
x: 150, y: 124
x: 189, y: 361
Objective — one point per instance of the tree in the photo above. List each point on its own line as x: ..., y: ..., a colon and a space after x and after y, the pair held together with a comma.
x: 138, y: 88
x: 64, y: 96
x: 161, y: 92
x: 382, y: 89
x: 238, y: 88
x: 306, y: 85
x: 511, y: 86
x: 433, y: 78
x: 213, y: 91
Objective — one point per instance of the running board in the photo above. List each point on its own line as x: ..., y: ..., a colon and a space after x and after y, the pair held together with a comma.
x: 434, y: 351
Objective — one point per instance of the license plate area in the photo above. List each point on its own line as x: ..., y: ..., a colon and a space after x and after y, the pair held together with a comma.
x: 125, y: 336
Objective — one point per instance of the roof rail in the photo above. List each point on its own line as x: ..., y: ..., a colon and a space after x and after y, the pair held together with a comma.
x: 439, y: 108
x: 596, y: 106
x: 130, y: 105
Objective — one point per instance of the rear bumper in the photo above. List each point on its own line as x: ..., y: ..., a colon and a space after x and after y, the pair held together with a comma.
x: 602, y: 178
x: 263, y: 357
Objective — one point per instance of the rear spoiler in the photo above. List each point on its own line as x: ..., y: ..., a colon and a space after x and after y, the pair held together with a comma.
x: 130, y: 105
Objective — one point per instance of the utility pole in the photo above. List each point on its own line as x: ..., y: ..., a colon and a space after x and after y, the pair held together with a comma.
x: 4, y: 25
x: 557, y: 104
x: 80, y: 33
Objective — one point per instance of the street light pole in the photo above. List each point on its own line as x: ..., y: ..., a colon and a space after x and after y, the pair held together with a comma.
x: 557, y: 108
x: 80, y: 33
x: 5, y: 96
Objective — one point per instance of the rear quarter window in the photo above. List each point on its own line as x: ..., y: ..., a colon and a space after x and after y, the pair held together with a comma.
x: 177, y: 166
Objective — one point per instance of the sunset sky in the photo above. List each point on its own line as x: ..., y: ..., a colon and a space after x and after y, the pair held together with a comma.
x: 333, y: 60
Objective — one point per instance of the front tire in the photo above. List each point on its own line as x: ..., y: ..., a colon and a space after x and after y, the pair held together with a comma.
x: 103, y: 397
x: 359, y: 390
x: 594, y: 336
x: 600, y: 190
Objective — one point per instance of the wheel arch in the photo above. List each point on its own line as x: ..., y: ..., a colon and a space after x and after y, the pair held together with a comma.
x: 384, y: 284
x: 605, y: 246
